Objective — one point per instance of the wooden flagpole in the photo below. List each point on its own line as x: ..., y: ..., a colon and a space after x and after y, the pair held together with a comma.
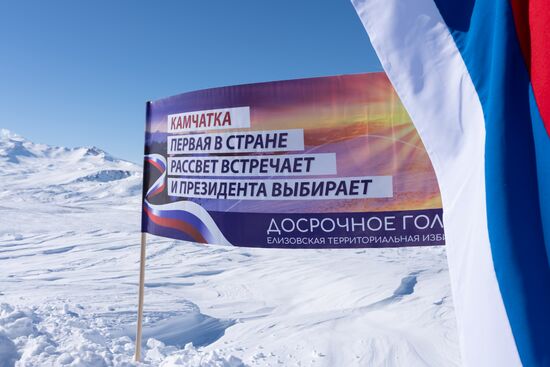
x: 137, y: 356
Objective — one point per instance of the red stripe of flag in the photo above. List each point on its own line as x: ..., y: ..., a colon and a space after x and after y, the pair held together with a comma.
x: 532, y: 18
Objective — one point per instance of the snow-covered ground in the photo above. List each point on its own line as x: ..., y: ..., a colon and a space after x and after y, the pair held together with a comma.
x: 69, y: 262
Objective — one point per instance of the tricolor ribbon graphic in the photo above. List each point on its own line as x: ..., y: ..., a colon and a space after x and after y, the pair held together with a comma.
x: 185, y: 217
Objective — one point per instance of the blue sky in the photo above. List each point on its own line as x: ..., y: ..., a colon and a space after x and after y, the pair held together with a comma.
x: 75, y: 73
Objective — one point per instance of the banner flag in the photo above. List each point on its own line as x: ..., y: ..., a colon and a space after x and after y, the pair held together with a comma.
x: 331, y: 162
x: 474, y: 77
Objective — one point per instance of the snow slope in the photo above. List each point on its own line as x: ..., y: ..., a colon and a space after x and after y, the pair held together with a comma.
x: 69, y: 260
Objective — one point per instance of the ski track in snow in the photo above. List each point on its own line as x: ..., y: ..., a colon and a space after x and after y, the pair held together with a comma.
x: 69, y: 263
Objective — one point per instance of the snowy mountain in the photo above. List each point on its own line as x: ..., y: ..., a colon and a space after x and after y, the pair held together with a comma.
x: 69, y: 260
x: 38, y: 172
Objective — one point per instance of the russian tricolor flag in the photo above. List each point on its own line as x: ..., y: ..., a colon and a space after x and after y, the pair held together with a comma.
x: 475, y: 77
